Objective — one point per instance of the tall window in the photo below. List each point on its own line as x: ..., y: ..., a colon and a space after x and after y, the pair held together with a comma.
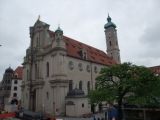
x: 110, y: 43
x: 15, y: 81
x: 80, y: 85
x: 36, y: 71
x: 88, y: 86
x: 15, y: 88
x: 70, y: 85
x: 47, y: 69
x: 27, y: 75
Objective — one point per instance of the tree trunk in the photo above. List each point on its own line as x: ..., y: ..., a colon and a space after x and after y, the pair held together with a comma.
x: 120, y: 112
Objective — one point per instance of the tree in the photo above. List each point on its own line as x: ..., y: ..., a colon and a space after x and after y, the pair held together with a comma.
x: 135, y: 84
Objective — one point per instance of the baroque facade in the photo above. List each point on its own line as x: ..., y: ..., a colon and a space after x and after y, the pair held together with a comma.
x: 59, y: 71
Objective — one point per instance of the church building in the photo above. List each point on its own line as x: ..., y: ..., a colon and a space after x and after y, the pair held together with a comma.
x: 60, y: 71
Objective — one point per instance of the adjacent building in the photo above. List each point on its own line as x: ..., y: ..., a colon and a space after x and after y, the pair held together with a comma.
x: 60, y: 71
x: 10, y: 86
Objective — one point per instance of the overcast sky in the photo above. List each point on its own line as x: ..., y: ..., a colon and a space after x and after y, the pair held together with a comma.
x: 138, y: 26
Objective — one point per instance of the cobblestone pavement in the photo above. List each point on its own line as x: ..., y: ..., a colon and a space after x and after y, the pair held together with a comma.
x: 91, y: 118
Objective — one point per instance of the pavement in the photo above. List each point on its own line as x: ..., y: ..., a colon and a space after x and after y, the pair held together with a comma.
x: 99, y: 115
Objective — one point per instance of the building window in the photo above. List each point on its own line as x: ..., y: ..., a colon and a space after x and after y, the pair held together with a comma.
x: 88, y: 68
x: 15, y: 81
x: 88, y: 86
x: 27, y: 75
x: 95, y: 69
x: 80, y: 66
x: 82, y: 105
x: 14, y: 94
x: 80, y: 85
x: 8, y: 88
x: 36, y: 71
x: 47, y: 69
x: 47, y: 95
x: 70, y: 85
x: 70, y: 65
x: 110, y: 43
x: 15, y: 88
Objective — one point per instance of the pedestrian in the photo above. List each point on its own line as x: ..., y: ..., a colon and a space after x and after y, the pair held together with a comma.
x: 112, y: 113
x: 94, y: 118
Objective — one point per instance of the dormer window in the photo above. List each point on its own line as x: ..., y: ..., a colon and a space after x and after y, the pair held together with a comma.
x: 83, y: 54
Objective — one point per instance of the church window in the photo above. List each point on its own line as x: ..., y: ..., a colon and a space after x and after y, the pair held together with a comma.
x: 47, y: 95
x: 47, y: 69
x: 36, y: 71
x: 80, y: 66
x: 80, y: 85
x: 110, y: 43
x: 70, y: 85
x: 88, y: 68
x: 70, y: 65
x: 82, y: 105
x: 27, y: 75
x: 95, y: 69
x: 88, y: 86
x: 84, y: 55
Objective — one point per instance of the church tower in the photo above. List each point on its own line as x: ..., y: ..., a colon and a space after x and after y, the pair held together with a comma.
x: 111, y: 40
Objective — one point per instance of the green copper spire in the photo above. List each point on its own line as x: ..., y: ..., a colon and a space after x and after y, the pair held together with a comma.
x: 109, y: 18
x: 59, y: 29
x: 110, y: 23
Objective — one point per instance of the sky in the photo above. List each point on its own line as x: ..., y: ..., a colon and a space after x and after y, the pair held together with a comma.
x: 137, y: 21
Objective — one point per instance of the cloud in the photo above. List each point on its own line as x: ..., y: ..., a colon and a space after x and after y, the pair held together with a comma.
x: 151, y: 40
x: 137, y: 26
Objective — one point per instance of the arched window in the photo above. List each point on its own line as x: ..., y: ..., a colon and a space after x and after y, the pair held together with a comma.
x: 70, y: 85
x: 36, y: 71
x: 27, y: 75
x: 80, y: 85
x: 47, y: 69
x: 110, y: 43
x: 88, y: 86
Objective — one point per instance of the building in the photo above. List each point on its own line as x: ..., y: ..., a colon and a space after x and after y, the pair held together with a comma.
x: 10, y: 87
x: 155, y: 69
x: 59, y: 71
x: 5, y: 88
x: 15, y: 94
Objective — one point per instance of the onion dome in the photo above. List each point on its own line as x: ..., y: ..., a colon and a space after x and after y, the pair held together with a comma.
x: 59, y: 30
x: 110, y: 23
x: 9, y: 70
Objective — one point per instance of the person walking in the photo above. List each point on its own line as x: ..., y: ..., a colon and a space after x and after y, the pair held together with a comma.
x: 112, y: 113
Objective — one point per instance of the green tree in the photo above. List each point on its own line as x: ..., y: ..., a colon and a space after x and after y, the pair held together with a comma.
x: 135, y: 84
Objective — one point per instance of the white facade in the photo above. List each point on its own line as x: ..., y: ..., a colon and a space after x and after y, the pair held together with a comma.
x: 15, y: 90
x: 53, y: 66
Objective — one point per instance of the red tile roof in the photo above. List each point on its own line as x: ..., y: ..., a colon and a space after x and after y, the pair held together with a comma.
x: 93, y: 54
x: 19, y: 72
x: 155, y: 69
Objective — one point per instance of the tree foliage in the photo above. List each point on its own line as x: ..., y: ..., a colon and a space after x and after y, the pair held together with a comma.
x: 134, y: 84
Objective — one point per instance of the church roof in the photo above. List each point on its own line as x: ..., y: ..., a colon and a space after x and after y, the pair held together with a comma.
x: 19, y: 72
x: 93, y: 54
